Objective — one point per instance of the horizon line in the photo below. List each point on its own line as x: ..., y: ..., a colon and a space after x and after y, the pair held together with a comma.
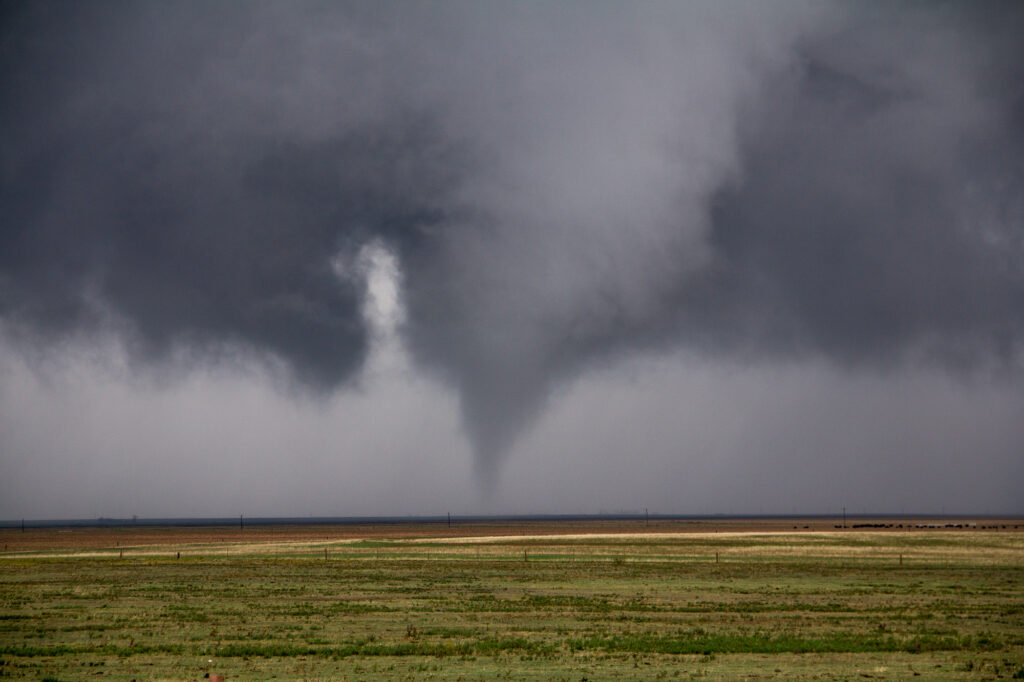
x: 242, y: 520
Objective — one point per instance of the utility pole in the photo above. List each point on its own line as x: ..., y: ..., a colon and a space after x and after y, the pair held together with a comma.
x: 241, y: 522
x: 449, y: 519
x: 844, y: 517
x: 647, y: 517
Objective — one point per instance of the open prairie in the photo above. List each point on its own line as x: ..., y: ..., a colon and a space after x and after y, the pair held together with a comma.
x: 681, y: 599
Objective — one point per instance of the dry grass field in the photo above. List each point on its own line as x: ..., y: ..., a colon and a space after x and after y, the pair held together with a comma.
x: 687, y: 599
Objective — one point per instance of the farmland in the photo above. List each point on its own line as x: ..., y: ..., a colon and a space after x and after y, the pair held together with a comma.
x: 626, y: 600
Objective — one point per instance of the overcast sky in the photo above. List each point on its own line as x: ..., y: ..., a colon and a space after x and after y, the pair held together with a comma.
x: 381, y: 258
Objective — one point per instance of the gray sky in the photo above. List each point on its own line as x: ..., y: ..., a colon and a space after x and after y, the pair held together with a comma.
x: 397, y: 258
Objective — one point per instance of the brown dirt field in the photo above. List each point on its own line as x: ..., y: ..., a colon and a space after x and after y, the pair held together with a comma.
x: 34, y: 540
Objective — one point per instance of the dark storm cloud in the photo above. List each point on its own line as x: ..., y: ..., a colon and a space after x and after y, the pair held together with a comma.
x: 559, y: 184
x: 139, y: 182
x: 879, y: 209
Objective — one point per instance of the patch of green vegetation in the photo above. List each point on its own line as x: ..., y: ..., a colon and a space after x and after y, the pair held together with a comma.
x: 707, y: 644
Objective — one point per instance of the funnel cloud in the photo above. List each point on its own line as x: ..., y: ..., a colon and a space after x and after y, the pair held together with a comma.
x: 521, y: 196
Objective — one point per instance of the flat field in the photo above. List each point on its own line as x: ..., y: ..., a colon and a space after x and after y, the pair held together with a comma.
x: 759, y: 599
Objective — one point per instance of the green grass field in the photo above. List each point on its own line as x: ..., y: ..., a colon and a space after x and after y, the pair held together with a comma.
x: 812, y: 605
